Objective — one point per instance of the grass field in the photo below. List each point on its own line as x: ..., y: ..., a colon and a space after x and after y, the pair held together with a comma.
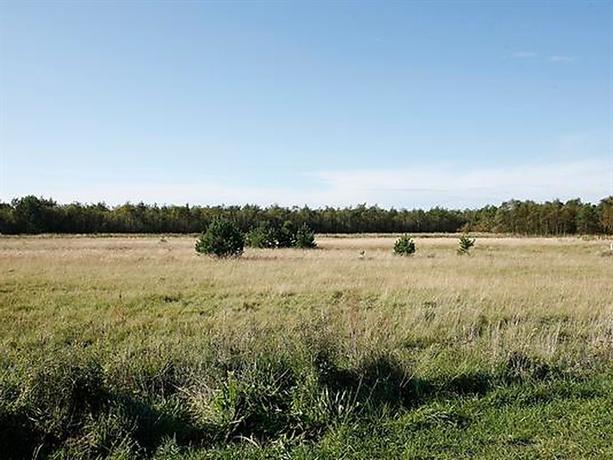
x: 129, y: 347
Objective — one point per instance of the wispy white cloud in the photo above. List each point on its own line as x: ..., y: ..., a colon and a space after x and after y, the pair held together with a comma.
x: 590, y: 180
x: 441, y: 185
x: 561, y: 59
x: 524, y: 54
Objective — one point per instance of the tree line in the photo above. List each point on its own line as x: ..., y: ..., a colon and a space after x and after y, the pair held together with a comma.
x: 33, y: 215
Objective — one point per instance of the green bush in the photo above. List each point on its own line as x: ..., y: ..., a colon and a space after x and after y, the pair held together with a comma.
x: 260, y: 237
x: 286, y: 235
x: 404, y: 246
x: 465, y: 244
x: 305, y: 238
x: 221, y: 239
x: 275, y: 235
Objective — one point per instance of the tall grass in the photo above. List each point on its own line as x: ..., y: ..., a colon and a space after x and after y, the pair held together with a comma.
x: 124, y: 347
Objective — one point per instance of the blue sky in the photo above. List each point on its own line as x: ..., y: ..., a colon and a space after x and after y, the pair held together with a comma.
x: 405, y: 104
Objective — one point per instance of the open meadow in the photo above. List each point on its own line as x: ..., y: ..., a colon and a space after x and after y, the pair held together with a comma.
x: 134, y: 346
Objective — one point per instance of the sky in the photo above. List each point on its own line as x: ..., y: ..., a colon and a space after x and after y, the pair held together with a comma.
x: 401, y: 104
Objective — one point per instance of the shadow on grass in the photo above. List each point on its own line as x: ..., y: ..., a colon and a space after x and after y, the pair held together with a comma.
x: 385, y: 382
x: 264, y: 401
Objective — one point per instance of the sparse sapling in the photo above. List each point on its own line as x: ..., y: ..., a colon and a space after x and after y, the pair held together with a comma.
x: 404, y: 246
x: 465, y: 245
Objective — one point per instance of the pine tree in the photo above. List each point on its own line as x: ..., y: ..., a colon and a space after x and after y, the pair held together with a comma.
x: 404, y: 246
x: 465, y: 243
x: 305, y: 238
x: 221, y: 239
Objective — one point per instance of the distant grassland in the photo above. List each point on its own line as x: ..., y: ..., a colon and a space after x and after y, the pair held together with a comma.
x: 125, y: 347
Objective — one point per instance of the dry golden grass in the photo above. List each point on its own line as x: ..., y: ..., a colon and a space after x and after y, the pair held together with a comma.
x: 551, y: 298
x: 126, y: 346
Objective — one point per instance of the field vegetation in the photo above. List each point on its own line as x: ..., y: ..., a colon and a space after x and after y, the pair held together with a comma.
x: 132, y: 347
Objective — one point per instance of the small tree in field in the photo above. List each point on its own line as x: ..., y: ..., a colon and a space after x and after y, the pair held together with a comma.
x: 286, y: 235
x: 260, y: 237
x: 404, y: 246
x: 466, y: 244
x: 305, y: 238
x: 221, y: 239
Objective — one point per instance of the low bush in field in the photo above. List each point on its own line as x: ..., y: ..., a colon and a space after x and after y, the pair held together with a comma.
x: 286, y: 235
x: 221, y: 239
x: 404, y: 246
x: 465, y: 244
x: 260, y: 237
x: 305, y: 238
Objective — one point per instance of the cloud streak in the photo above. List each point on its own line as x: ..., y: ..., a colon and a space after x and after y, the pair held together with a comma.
x: 524, y: 54
x: 590, y: 180
x: 561, y: 59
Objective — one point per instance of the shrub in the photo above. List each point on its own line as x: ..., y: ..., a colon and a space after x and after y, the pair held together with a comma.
x: 305, y: 238
x: 404, y: 246
x: 260, y: 237
x: 274, y: 235
x: 465, y: 244
x: 286, y: 235
x: 221, y: 239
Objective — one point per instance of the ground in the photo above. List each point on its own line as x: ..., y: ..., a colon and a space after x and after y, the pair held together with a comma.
x: 127, y: 347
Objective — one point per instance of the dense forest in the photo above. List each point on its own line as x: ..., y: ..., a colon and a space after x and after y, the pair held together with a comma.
x: 32, y: 215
